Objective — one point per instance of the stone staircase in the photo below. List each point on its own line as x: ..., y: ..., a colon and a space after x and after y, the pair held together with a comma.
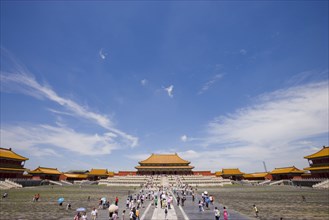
x: 8, y: 184
x: 265, y: 182
x: 322, y: 185
x: 55, y: 183
x: 66, y: 182
x: 276, y: 182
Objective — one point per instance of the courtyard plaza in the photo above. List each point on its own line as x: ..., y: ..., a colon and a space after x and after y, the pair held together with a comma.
x: 190, y: 210
x: 273, y: 202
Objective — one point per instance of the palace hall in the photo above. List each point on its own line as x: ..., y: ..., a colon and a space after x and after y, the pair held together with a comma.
x: 171, y: 164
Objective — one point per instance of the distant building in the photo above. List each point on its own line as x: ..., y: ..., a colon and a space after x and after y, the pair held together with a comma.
x: 284, y: 173
x: 257, y: 176
x: 45, y: 173
x: 11, y: 164
x: 319, y: 163
x: 170, y: 164
x: 97, y: 174
x: 234, y: 174
x: 73, y: 175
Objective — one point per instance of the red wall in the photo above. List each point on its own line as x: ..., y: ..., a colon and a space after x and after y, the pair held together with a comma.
x: 126, y: 173
x: 203, y: 173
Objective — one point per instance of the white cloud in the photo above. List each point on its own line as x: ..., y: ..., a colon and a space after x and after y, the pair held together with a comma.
x: 208, y: 84
x: 284, y: 115
x: 170, y: 90
x: 102, y: 54
x: 243, y: 52
x: 23, y: 81
x: 38, y: 140
x: 183, y: 138
x: 144, y: 82
x: 277, y: 128
x: 280, y: 128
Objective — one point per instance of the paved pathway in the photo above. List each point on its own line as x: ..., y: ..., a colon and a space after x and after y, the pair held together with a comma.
x: 190, y: 210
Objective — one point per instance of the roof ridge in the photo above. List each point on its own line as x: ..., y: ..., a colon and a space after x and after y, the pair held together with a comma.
x: 50, y: 168
x: 13, y: 152
x: 285, y: 167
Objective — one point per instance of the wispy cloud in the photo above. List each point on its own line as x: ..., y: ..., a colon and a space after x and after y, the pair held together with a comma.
x: 243, y: 52
x: 40, y: 139
x: 144, y: 82
x: 183, y: 138
x: 102, y: 54
x: 281, y: 116
x: 307, y: 76
x: 23, y: 81
x: 274, y: 126
x: 208, y: 84
x: 170, y: 90
x: 279, y: 128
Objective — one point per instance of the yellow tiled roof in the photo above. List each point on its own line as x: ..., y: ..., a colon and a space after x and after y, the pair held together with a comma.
x: 324, y: 152
x: 164, y: 167
x: 8, y: 153
x: 317, y: 168
x: 12, y: 169
x: 164, y: 159
x: 255, y: 175
x: 98, y: 172
x: 234, y: 171
x: 111, y: 174
x: 45, y: 170
x: 283, y: 170
x: 218, y: 173
x: 248, y: 176
x: 77, y: 176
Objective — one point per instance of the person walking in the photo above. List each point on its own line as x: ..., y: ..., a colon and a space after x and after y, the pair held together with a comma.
x: 200, y: 206
x: 156, y: 202
x: 94, y: 214
x: 131, y: 215
x: 123, y: 214
x: 5, y: 195
x: 166, y: 213
x: 217, y: 213
x: 77, y: 216
x: 225, y: 213
x: 183, y: 200
x: 256, y: 210
x: 115, y: 216
x: 84, y: 216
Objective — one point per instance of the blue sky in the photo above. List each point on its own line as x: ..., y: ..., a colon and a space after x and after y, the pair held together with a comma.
x: 105, y: 84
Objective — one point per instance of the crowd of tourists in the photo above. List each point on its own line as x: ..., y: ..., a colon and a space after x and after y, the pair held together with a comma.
x: 160, y: 197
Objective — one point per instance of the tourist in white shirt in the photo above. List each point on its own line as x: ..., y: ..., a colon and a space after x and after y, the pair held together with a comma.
x: 94, y: 214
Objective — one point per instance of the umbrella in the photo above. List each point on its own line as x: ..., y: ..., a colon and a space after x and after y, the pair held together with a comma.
x: 60, y: 200
x: 113, y: 208
x: 81, y: 209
